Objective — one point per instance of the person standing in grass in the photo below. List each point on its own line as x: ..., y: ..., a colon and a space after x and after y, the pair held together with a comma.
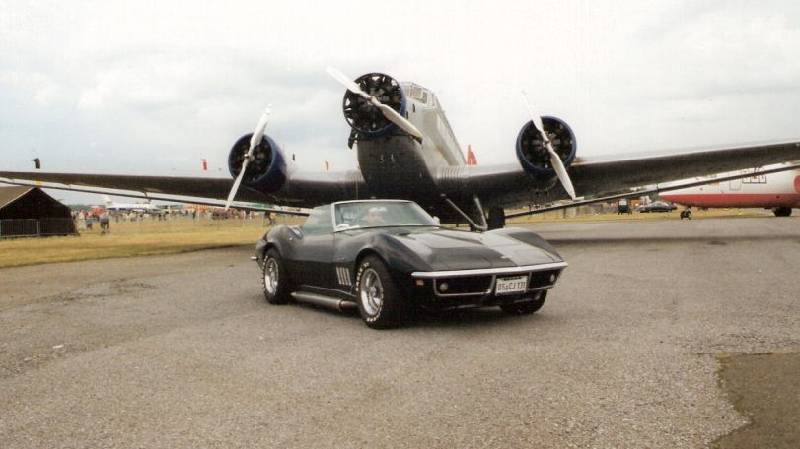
x: 105, y: 223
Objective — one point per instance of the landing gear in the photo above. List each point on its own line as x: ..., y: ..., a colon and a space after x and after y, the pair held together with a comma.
x: 782, y: 211
x: 686, y: 213
x: 497, y: 218
x: 482, y: 225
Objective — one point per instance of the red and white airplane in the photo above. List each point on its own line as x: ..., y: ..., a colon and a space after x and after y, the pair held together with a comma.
x: 777, y: 191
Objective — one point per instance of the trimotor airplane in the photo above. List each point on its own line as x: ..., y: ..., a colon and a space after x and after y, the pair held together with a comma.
x: 132, y: 207
x: 406, y: 149
x: 777, y: 191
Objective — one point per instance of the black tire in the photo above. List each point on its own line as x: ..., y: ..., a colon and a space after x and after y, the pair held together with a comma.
x: 497, y: 218
x: 525, y: 307
x: 383, y: 307
x: 782, y: 211
x: 276, y: 292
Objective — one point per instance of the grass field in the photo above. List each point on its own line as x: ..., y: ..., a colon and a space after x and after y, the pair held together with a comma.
x: 154, y: 237
x: 131, y: 239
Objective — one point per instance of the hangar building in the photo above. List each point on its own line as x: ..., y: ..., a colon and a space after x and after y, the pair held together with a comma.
x: 28, y: 211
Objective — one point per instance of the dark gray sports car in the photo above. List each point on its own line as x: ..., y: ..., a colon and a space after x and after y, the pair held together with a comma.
x: 385, y: 256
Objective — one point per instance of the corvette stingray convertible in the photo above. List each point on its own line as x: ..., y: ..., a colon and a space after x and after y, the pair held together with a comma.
x: 384, y: 257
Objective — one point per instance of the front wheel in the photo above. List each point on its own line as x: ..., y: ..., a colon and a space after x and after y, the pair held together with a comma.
x: 526, y: 307
x: 497, y: 218
x: 782, y: 211
x: 274, y: 278
x: 379, y: 301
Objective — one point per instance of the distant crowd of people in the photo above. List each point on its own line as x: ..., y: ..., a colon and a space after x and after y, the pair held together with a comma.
x: 87, y: 219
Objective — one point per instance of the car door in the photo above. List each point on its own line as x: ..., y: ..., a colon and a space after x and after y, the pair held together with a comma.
x: 313, y: 252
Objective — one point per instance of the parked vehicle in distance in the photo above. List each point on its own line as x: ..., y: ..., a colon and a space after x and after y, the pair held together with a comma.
x: 657, y: 206
x: 623, y: 207
x: 385, y: 257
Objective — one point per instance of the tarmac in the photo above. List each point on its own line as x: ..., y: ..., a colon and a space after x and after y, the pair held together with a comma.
x: 660, y: 334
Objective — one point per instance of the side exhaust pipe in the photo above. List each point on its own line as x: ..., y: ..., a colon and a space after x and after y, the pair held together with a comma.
x: 324, y: 301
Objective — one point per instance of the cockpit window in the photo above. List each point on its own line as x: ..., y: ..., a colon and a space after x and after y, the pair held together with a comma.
x: 418, y: 93
x: 370, y: 214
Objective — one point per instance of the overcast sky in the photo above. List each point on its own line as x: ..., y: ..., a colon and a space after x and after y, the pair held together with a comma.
x: 156, y: 86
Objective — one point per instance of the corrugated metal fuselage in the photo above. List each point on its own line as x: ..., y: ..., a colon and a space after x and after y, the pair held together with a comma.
x: 397, y: 166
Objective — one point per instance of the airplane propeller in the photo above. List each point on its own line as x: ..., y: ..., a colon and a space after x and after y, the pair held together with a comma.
x: 387, y: 111
x: 555, y: 161
x: 258, y: 134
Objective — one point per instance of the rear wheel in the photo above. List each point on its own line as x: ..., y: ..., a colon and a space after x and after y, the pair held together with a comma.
x: 379, y: 301
x: 525, y: 307
x: 274, y: 278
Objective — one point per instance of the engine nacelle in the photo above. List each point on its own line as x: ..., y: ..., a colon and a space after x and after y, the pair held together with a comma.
x: 266, y: 172
x: 532, y: 153
x: 362, y: 116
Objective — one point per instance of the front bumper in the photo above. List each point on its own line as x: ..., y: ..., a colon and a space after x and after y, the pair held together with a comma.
x: 477, y: 287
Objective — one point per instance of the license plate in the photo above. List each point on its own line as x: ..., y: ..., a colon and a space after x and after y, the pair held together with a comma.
x: 511, y: 285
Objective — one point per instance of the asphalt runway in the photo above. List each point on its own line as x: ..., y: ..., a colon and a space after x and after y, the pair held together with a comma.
x: 182, y: 351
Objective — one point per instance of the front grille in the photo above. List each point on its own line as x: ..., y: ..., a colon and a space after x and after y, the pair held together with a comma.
x: 463, y: 285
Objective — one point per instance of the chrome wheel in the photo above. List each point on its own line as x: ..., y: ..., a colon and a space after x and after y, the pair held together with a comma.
x: 271, y: 276
x: 371, y: 292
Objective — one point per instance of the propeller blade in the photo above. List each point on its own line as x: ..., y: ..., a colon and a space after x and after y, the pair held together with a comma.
x: 387, y: 111
x: 555, y: 161
x: 236, y: 185
x: 346, y: 82
x: 561, y: 171
x: 258, y: 134
x: 537, y: 119
x: 395, y: 117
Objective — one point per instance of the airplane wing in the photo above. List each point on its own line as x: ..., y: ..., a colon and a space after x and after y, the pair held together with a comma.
x: 299, y: 190
x: 508, y: 185
x: 657, y: 188
x: 176, y: 185
x: 607, y: 174
x: 254, y: 207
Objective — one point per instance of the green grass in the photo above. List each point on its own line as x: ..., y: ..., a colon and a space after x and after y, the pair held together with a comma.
x: 131, y: 239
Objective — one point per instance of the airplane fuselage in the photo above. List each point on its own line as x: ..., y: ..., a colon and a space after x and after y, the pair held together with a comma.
x: 392, y: 163
x: 133, y: 207
x: 398, y: 166
x: 758, y: 191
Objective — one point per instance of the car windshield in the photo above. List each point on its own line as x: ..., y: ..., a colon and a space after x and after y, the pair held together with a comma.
x: 370, y: 214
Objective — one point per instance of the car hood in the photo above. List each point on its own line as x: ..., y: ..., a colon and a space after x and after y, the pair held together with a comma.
x: 446, y: 249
